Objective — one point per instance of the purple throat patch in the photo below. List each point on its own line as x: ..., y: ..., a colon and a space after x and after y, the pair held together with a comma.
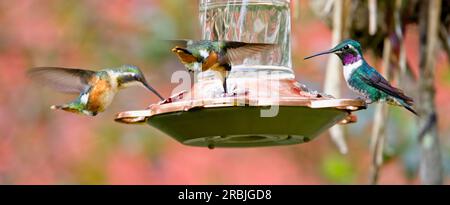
x: 350, y: 59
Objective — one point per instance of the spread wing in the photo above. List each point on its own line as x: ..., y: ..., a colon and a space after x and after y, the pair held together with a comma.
x: 67, y: 80
x: 376, y: 80
x: 237, y: 51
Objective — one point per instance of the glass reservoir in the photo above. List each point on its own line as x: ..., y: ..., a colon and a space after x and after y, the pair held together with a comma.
x: 251, y: 21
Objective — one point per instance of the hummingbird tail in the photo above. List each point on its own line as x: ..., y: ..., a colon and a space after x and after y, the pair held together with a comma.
x: 73, y: 109
x: 407, y: 106
x: 411, y: 109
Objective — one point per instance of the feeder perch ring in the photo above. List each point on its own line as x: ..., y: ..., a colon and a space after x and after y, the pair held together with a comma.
x: 229, y: 122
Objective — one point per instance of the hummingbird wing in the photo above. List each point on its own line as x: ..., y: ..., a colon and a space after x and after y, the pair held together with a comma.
x: 68, y: 80
x: 376, y: 80
x: 237, y: 51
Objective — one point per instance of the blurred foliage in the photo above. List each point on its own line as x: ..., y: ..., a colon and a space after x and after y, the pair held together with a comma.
x: 446, y: 77
x: 40, y: 146
x: 338, y: 169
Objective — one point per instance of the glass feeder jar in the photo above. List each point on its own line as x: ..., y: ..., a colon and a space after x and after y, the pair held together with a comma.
x: 251, y: 21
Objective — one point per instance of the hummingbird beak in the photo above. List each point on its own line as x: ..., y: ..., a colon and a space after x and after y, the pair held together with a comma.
x: 179, y: 49
x: 152, y: 89
x: 321, y: 53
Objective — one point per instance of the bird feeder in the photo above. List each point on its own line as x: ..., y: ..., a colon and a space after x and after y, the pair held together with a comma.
x: 266, y: 107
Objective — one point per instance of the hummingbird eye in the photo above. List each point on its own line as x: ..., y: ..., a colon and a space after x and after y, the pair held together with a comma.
x: 346, y: 47
x: 137, y: 77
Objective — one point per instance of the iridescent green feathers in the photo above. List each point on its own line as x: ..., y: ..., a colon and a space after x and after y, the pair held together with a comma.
x: 364, y: 79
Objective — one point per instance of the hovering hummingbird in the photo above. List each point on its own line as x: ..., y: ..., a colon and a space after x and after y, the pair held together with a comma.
x: 364, y: 79
x: 96, y: 88
x: 218, y: 56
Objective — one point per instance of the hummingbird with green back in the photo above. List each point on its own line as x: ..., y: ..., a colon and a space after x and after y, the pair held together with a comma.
x: 96, y: 89
x: 203, y: 55
x: 364, y: 79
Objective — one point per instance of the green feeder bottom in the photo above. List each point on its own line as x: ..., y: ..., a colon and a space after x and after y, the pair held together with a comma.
x: 226, y: 123
x: 243, y: 126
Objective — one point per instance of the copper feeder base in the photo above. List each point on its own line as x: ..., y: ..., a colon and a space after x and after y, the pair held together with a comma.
x: 236, y: 121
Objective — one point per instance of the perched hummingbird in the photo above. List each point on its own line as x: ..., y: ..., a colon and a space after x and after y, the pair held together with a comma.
x: 364, y: 79
x: 96, y: 88
x: 218, y: 56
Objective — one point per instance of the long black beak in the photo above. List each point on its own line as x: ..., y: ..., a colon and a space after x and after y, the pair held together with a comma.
x: 151, y: 89
x: 321, y: 53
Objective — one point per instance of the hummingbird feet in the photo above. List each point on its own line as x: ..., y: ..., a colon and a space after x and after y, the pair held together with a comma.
x: 367, y: 100
x: 234, y: 94
x: 224, y: 95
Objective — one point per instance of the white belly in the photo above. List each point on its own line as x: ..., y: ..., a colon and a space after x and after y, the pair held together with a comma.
x: 350, y: 68
x: 108, y: 97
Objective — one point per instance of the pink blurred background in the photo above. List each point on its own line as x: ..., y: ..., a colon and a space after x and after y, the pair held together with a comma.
x: 41, y: 146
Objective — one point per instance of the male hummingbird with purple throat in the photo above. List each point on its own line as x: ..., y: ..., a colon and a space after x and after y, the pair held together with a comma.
x: 96, y: 89
x: 364, y: 79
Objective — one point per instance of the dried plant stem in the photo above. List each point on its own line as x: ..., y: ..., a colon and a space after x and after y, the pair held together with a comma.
x: 445, y: 39
x: 399, y: 32
x: 379, y: 125
x: 332, y: 78
x: 430, y: 169
x: 372, y: 17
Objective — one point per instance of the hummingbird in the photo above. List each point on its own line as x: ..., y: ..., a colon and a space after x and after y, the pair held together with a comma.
x: 96, y: 89
x: 364, y: 79
x: 203, y: 55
